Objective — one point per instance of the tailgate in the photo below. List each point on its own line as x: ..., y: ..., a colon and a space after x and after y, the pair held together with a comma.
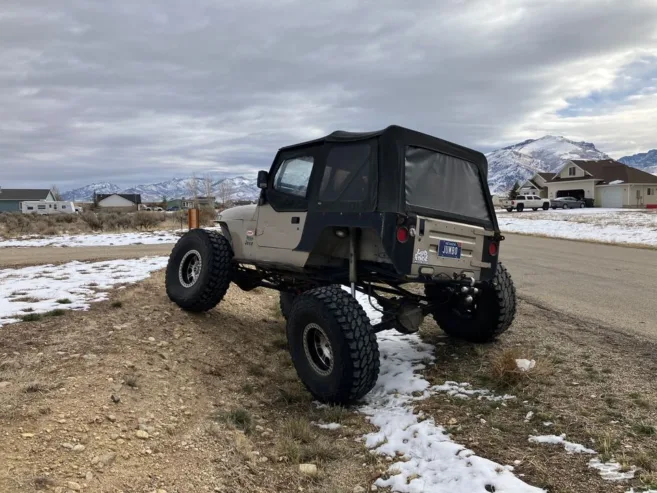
x: 445, y: 247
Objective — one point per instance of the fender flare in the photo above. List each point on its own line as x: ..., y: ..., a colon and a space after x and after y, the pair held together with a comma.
x: 226, y: 232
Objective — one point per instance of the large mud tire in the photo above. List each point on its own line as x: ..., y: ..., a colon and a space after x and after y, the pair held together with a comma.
x: 330, y: 317
x: 496, y: 309
x: 285, y: 302
x: 199, y: 288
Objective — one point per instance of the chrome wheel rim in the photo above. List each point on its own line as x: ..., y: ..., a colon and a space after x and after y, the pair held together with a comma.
x: 317, y: 347
x: 190, y: 268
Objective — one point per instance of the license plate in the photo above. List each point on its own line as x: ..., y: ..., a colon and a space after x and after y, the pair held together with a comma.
x: 449, y: 249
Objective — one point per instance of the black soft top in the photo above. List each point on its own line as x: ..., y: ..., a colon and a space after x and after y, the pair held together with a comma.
x: 395, y: 135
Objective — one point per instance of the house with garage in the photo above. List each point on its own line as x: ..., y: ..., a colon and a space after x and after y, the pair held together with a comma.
x: 11, y: 199
x: 605, y: 183
x: 117, y: 202
x: 536, y: 185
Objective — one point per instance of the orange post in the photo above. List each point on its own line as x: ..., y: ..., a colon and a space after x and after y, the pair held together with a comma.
x: 193, y: 218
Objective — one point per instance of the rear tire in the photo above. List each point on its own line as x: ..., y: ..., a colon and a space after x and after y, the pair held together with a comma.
x: 534, y: 209
x: 333, y: 345
x: 565, y: 206
x: 509, y: 209
x: 546, y: 206
x: 582, y: 205
x: 494, y: 314
x: 286, y: 301
x: 520, y: 207
x: 199, y: 270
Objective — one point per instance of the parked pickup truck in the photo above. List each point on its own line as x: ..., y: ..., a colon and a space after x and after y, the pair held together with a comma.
x: 522, y: 202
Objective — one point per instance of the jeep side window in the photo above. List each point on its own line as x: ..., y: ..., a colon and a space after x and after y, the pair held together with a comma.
x: 293, y: 176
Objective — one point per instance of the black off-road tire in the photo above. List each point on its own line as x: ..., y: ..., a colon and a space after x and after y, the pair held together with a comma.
x: 495, y: 311
x: 355, y: 352
x: 215, y: 275
x: 285, y: 302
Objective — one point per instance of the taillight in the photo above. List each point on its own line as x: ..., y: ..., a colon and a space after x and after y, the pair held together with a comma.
x: 402, y: 234
x: 492, y: 249
x: 513, y: 202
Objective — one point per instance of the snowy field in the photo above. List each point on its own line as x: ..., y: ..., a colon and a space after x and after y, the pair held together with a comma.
x: 100, y: 239
x: 71, y: 286
x: 624, y: 226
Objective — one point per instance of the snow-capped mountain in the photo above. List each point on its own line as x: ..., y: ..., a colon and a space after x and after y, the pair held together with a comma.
x: 87, y: 193
x: 237, y: 188
x: 520, y: 161
x: 647, y: 161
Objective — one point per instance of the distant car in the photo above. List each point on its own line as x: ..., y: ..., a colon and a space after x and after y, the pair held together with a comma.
x: 174, y: 208
x: 158, y: 209
x: 567, y: 203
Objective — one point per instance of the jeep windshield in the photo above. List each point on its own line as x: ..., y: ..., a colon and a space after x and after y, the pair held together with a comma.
x: 439, y: 185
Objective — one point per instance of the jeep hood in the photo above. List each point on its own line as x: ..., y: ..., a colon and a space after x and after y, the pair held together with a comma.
x: 243, y: 212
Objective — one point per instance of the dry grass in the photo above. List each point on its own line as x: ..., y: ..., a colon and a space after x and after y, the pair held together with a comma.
x: 25, y: 299
x: 64, y: 301
x: 505, y: 372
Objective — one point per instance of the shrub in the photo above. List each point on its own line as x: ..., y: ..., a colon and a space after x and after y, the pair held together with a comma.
x: 148, y: 220
x: 66, y: 218
x: 207, y: 215
x: 92, y: 220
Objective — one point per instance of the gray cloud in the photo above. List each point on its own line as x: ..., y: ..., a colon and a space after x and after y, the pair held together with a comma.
x: 133, y: 92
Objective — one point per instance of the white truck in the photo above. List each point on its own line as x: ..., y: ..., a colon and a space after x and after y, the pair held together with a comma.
x: 522, y: 202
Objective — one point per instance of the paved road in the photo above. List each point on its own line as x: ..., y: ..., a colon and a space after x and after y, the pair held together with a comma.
x: 15, y: 257
x: 615, y: 286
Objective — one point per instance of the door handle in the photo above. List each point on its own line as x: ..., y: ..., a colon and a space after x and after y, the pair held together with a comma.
x: 296, y: 220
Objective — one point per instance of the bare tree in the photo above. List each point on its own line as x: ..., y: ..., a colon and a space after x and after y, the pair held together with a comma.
x: 207, y: 190
x: 55, y: 192
x: 226, y: 193
x: 193, y: 188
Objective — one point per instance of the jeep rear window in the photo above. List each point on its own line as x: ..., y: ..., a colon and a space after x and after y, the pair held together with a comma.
x: 442, y: 183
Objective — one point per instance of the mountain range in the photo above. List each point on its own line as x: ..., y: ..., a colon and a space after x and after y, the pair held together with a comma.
x: 237, y: 188
x: 505, y: 166
x: 647, y: 161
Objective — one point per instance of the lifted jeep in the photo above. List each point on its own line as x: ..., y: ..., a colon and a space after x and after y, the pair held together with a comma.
x: 381, y: 213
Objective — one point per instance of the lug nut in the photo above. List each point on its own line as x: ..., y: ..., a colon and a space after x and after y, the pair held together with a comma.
x: 475, y: 290
x: 468, y: 300
x: 465, y: 289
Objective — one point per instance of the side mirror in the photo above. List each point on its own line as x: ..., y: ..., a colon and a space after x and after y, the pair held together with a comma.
x: 263, y: 178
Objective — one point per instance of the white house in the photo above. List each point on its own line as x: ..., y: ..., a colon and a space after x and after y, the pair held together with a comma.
x: 118, y: 201
x: 608, y: 183
x: 536, y: 185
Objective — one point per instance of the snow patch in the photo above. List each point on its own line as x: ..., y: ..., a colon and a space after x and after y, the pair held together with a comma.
x: 611, y: 471
x: 525, y: 364
x: 425, y: 459
x: 570, y: 447
x: 616, y: 182
x: 463, y: 391
x: 102, y: 239
x: 81, y: 283
x: 328, y: 426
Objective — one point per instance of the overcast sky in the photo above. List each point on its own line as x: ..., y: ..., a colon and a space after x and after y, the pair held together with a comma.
x: 142, y: 91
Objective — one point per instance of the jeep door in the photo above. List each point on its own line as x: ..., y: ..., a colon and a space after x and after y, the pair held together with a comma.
x: 282, y: 216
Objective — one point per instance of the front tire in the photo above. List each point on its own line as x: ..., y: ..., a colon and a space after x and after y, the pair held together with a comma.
x: 546, y: 206
x: 509, y: 209
x: 199, y: 270
x: 333, y: 345
x: 493, y: 315
x: 565, y: 206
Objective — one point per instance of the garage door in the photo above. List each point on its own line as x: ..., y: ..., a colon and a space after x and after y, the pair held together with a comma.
x: 611, y: 197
